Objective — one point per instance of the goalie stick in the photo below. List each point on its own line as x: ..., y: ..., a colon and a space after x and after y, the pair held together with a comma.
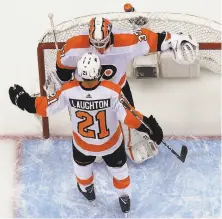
x: 50, y: 16
x: 184, y: 150
x: 53, y: 30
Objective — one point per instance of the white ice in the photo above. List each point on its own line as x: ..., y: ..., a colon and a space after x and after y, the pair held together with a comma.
x: 161, y: 187
x: 7, y: 176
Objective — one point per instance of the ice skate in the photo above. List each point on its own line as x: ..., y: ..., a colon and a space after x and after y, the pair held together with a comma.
x: 89, y: 194
x: 124, y: 202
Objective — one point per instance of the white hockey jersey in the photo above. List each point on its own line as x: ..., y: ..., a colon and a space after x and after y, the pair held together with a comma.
x: 126, y: 45
x: 96, y: 115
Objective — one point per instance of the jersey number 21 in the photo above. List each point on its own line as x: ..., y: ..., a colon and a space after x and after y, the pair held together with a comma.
x: 88, y: 120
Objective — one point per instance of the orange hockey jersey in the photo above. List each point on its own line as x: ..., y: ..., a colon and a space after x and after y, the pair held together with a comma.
x: 96, y: 115
x: 125, y: 47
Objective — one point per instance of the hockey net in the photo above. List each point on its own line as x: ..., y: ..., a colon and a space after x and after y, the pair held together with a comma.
x: 206, y: 32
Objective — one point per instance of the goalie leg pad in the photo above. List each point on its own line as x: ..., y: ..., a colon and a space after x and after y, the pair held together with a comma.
x: 139, y: 147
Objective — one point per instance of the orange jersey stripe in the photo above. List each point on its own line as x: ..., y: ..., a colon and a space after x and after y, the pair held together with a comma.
x: 111, y: 86
x: 85, y: 182
x: 98, y: 148
x: 121, y: 184
x: 41, y: 103
x: 131, y: 121
x: 59, y: 63
x: 122, y: 80
x: 152, y: 39
x: 81, y: 41
x: 121, y: 40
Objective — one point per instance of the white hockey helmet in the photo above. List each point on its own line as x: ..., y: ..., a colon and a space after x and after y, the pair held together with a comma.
x: 89, y: 66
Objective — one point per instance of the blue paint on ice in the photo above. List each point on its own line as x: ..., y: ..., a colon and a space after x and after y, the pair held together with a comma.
x: 161, y: 187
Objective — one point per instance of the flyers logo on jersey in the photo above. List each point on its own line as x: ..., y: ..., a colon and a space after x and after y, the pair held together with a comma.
x: 108, y: 71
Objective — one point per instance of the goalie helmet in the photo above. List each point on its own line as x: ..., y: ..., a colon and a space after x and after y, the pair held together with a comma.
x: 89, y: 67
x: 100, y: 33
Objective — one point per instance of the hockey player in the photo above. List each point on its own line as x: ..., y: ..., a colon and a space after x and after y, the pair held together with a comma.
x: 96, y: 111
x: 116, y: 49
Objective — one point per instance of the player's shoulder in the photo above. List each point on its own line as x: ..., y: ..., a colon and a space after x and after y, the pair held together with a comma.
x: 69, y: 85
x: 111, y: 86
x: 78, y: 41
x: 123, y: 38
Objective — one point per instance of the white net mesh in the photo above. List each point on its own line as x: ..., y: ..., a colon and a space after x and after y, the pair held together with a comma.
x: 202, y: 29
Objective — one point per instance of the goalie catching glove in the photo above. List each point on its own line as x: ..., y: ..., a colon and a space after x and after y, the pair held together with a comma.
x: 185, y: 48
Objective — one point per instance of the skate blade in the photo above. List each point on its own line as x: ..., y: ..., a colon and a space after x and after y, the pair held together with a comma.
x: 126, y: 215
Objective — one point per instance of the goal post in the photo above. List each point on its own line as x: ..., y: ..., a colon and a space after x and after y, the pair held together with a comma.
x: 207, y: 33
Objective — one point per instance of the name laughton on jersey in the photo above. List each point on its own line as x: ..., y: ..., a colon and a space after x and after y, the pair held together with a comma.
x: 90, y: 105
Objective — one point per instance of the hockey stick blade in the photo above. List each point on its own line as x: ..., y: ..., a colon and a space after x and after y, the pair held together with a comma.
x: 183, y: 153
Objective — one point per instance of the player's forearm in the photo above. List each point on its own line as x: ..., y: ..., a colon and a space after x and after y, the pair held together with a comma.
x: 156, y: 41
x: 131, y: 121
x: 64, y: 74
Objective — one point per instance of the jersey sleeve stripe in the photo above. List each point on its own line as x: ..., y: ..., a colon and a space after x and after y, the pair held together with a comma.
x: 76, y: 42
x: 110, y: 85
x: 80, y: 41
x: 131, y: 121
x: 59, y: 62
x: 152, y: 39
x: 122, y: 81
x: 121, y: 40
x: 41, y: 103
x: 98, y: 148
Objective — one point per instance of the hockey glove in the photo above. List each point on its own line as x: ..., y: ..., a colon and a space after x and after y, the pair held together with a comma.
x: 157, y: 134
x: 20, y: 98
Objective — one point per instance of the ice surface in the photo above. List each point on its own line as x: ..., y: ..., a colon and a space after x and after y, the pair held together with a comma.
x: 7, y: 168
x: 162, y: 187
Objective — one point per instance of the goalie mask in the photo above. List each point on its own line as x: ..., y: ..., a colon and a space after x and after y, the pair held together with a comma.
x: 89, y: 67
x: 100, y: 32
